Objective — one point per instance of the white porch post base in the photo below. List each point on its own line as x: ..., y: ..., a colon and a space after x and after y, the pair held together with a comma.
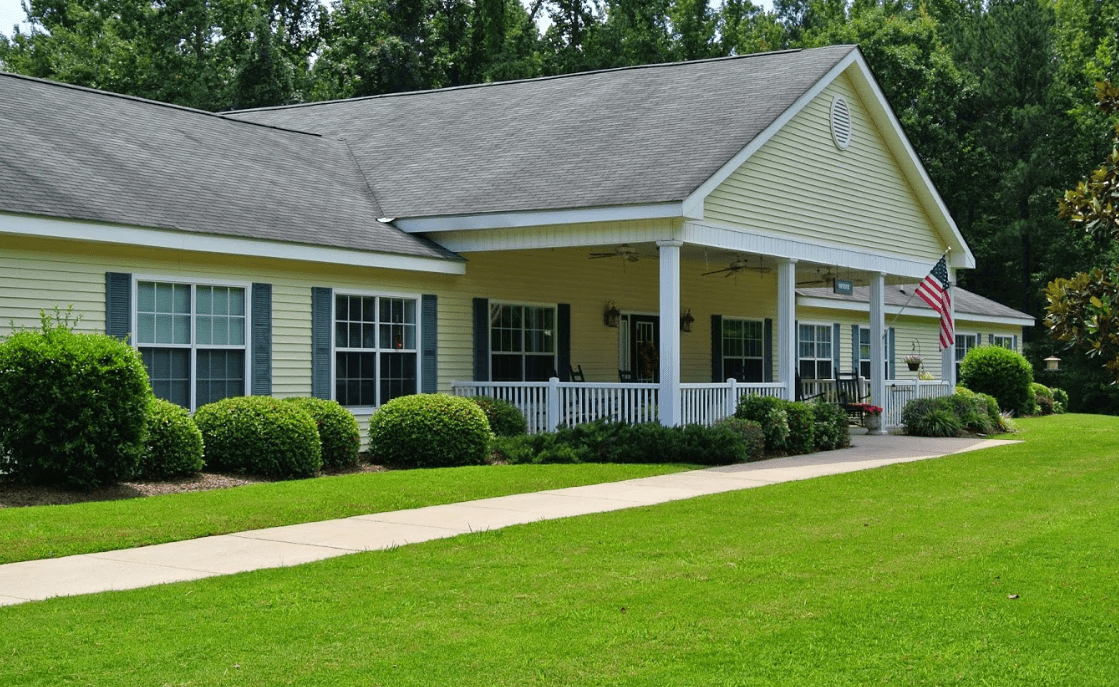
x: 668, y: 400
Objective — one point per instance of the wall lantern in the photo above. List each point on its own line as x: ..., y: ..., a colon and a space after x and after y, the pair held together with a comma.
x: 610, y: 314
x: 686, y: 321
x: 1053, y: 363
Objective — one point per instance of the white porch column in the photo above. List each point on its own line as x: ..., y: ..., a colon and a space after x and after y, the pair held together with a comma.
x: 878, y: 343
x: 948, y: 355
x: 786, y: 326
x: 668, y: 402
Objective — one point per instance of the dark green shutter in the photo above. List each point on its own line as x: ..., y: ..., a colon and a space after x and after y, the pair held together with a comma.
x: 429, y: 334
x: 990, y: 339
x: 481, y: 340
x: 322, y: 328
x: 717, y: 348
x: 118, y: 304
x: 890, y: 355
x: 261, y: 340
x: 768, y: 362
x: 855, y: 348
x: 563, y: 341
x: 836, y: 333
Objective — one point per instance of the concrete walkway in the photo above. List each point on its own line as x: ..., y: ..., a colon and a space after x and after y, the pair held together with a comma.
x: 296, y: 544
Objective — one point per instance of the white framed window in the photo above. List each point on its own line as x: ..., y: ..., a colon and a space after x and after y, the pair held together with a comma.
x: 743, y: 352
x: 1003, y: 341
x: 192, y: 338
x: 376, y: 353
x: 815, y: 351
x: 864, y: 355
x: 522, y: 342
x: 964, y: 343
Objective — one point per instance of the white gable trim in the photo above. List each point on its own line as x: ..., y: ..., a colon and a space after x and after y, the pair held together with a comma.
x: 47, y: 227
x: 909, y: 311
x: 883, y: 116
x: 534, y: 218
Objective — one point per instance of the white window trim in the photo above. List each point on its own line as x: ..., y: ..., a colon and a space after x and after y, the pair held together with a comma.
x: 997, y: 339
x: 960, y: 337
x: 554, y: 307
x: 885, y: 352
x: 830, y: 327
x: 363, y: 293
x: 193, y: 283
x: 755, y: 320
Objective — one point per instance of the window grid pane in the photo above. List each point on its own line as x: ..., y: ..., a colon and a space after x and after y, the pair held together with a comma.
x: 522, y: 342
x: 376, y: 326
x: 742, y: 350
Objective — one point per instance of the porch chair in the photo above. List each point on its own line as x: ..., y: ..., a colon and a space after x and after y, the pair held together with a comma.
x: 626, y: 376
x: 577, y: 374
x: 848, y: 387
x: 800, y: 395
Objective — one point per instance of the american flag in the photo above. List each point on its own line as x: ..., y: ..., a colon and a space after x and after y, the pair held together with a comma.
x: 935, y: 291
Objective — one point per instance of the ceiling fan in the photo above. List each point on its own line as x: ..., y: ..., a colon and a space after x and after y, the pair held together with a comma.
x: 738, y: 265
x: 825, y: 279
x: 625, y: 252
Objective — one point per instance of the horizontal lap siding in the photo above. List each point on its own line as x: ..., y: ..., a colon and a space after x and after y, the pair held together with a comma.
x: 799, y: 184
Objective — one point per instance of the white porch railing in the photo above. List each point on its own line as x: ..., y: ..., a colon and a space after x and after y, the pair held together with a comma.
x: 547, y: 405
x: 898, y: 393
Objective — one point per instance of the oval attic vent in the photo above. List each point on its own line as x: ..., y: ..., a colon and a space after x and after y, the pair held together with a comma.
x: 840, y: 123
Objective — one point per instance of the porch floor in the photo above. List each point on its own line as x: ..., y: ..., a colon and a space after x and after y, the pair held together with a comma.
x: 295, y: 544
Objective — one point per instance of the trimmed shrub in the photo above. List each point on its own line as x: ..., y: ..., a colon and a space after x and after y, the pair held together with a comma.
x: 1002, y: 373
x: 259, y: 435
x: 802, y: 428
x: 830, y: 430
x: 1060, y: 400
x: 174, y: 444
x: 504, y: 418
x: 969, y: 409
x: 74, y: 407
x: 1043, y: 398
x: 914, y: 411
x: 752, y: 435
x: 998, y: 422
x: 770, y: 413
x: 429, y: 430
x: 339, y: 433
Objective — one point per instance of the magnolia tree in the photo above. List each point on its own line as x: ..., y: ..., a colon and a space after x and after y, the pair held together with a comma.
x: 1083, y: 311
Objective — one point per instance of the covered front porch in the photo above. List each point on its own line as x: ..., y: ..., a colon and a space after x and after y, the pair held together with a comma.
x: 724, y: 321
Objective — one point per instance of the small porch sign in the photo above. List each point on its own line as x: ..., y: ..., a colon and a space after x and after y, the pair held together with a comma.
x: 843, y: 287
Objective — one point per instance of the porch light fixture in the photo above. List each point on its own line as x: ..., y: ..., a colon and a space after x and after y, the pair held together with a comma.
x: 687, y: 320
x: 610, y: 315
x: 1053, y: 363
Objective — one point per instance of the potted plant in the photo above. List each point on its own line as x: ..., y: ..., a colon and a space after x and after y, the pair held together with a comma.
x: 913, y: 360
x: 871, y: 414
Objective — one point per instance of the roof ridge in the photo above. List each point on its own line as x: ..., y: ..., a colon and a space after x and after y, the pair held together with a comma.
x: 553, y: 77
x: 148, y: 101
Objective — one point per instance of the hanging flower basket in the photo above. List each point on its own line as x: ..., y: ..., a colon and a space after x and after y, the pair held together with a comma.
x: 913, y: 361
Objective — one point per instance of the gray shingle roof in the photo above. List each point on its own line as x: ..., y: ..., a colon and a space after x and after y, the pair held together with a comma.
x: 964, y: 302
x: 617, y: 137
x: 76, y: 153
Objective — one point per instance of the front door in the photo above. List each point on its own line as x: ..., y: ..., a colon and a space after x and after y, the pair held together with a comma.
x: 644, y: 347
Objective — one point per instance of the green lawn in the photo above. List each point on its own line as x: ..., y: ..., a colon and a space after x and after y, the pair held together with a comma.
x: 899, y: 575
x: 53, y: 531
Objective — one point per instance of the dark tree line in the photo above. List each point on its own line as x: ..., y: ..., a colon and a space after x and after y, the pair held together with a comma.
x: 997, y: 96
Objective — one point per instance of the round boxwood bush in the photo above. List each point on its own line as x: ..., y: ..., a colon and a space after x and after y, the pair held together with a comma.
x: 1060, y: 400
x: 339, y: 432
x: 504, y: 418
x: 174, y: 444
x: 831, y: 426
x: 802, y: 428
x: 769, y: 412
x: 1002, y: 373
x: 259, y: 435
x: 429, y: 430
x: 74, y: 407
x: 752, y: 436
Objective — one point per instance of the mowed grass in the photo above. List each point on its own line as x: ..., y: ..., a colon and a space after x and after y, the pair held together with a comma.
x: 900, y: 575
x: 51, y: 531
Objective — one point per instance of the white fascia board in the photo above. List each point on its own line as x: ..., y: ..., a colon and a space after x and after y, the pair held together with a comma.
x: 76, y: 230
x: 909, y: 311
x: 781, y: 246
x: 534, y: 218
x: 862, y: 77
